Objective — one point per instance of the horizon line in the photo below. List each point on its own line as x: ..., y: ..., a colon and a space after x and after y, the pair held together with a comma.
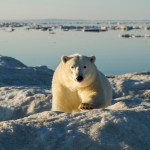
x: 75, y: 19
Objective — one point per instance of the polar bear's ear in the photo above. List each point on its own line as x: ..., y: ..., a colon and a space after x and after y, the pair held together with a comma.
x: 64, y: 59
x: 92, y: 59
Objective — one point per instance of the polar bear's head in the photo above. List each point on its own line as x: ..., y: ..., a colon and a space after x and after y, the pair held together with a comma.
x: 79, y: 69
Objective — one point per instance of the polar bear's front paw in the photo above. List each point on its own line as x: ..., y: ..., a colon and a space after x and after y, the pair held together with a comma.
x: 85, y: 106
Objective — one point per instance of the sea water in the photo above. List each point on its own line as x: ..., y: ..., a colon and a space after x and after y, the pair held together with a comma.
x: 114, y: 55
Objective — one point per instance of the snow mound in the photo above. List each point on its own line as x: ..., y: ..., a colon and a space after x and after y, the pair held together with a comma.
x: 96, y: 129
x: 19, y: 102
x: 132, y: 84
x: 13, y: 72
x: 10, y: 62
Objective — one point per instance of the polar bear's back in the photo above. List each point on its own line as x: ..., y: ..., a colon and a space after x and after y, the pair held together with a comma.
x: 107, y: 88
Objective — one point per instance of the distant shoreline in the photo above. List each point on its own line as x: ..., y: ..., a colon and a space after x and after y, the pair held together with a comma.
x: 75, y: 20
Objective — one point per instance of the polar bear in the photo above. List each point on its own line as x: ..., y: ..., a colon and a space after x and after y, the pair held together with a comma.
x: 77, y: 85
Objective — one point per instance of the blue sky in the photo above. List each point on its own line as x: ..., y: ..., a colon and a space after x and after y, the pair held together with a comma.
x: 75, y: 9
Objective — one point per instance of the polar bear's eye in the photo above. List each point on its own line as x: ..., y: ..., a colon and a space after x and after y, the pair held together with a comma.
x: 72, y: 67
x: 84, y: 67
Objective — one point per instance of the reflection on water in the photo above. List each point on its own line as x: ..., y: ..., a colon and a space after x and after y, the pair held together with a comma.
x: 114, y: 55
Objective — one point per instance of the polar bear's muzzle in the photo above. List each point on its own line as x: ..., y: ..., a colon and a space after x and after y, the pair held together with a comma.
x: 79, y: 78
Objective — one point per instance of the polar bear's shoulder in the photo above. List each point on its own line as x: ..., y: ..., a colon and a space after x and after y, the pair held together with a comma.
x: 74, y: 55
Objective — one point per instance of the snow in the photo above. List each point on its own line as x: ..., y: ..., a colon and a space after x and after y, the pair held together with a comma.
x: 27, y: 122
x: 10, y: 62
x: 14, y: 72
x: 18, y: 102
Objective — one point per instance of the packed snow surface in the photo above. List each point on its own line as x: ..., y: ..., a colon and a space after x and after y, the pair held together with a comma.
x: 27, y: 122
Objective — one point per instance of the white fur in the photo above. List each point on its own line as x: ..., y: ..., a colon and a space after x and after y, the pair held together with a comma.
x: 68, y: 93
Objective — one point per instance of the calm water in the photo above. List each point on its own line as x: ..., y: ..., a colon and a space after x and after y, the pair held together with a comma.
x: 114, y: 55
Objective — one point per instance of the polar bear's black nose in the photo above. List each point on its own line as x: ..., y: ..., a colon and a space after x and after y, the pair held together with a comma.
x: 79, y: 78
